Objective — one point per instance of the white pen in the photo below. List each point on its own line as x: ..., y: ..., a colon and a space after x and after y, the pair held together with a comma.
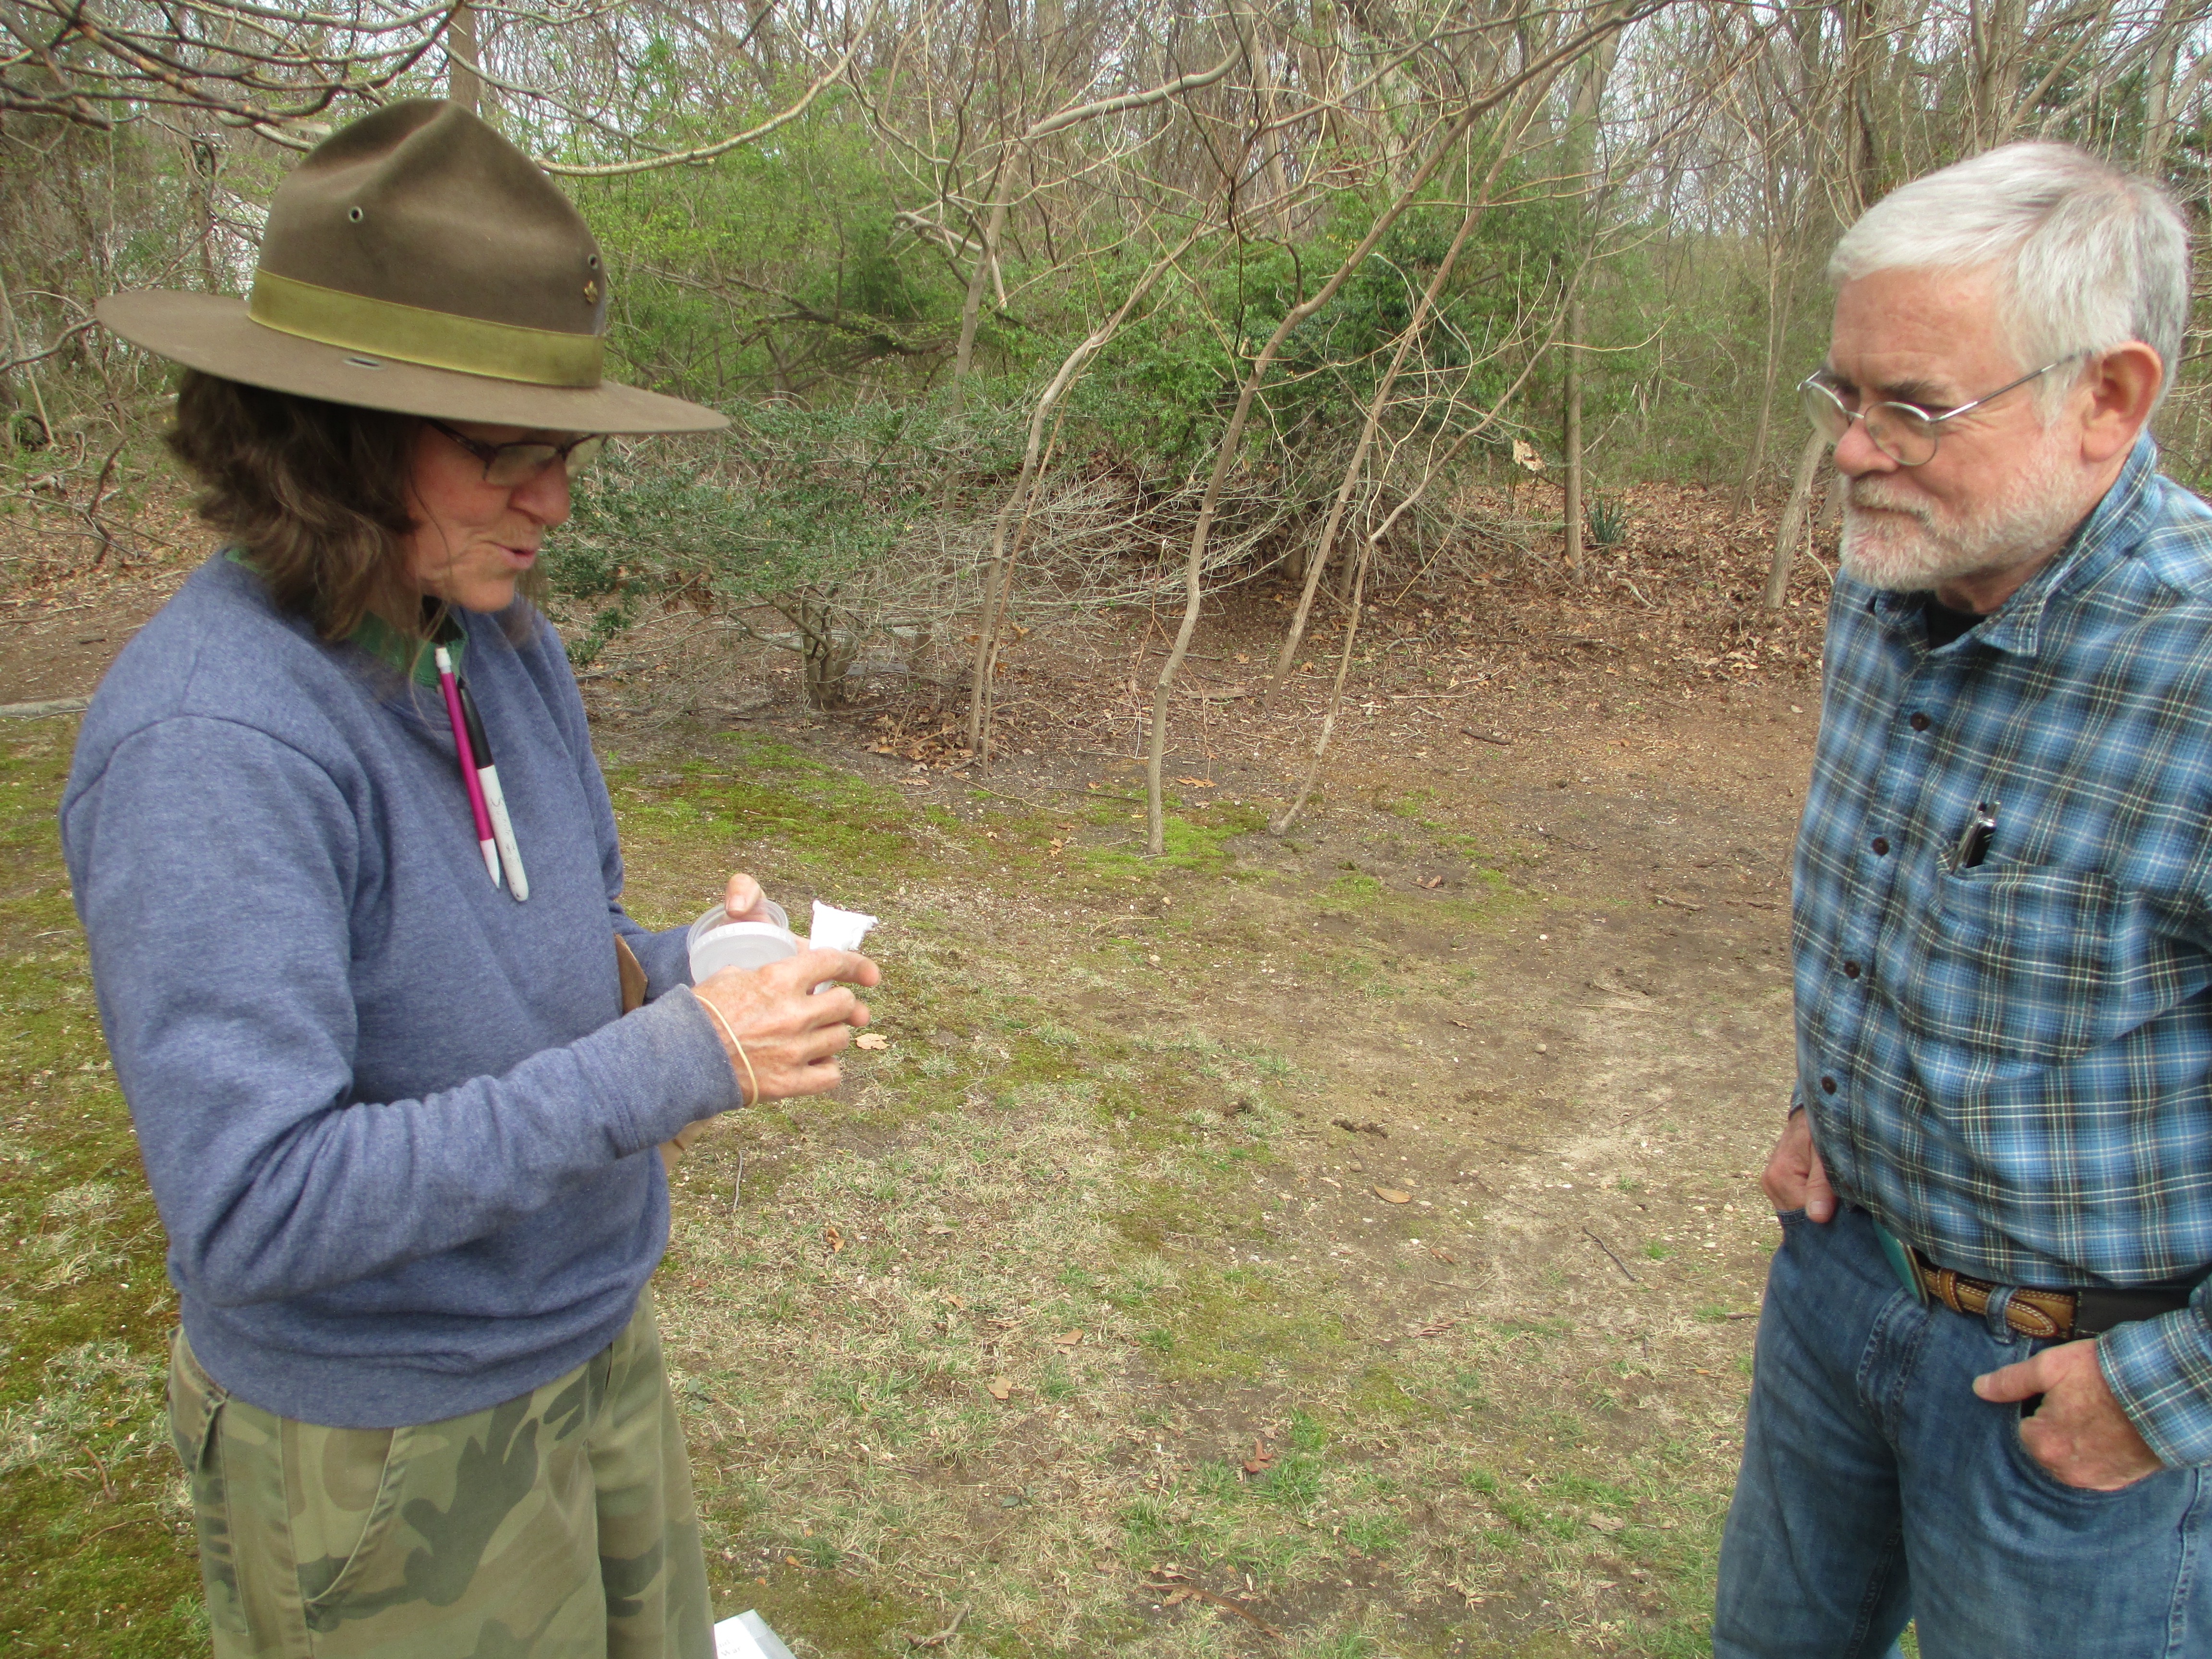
x: 502, y: 826
x: 470, y: 780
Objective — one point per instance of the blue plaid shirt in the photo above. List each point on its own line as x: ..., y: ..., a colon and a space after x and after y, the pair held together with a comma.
x: 2010, y: 1064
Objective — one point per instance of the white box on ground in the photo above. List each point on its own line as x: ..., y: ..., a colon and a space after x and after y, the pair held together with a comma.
x: 748, y: 1637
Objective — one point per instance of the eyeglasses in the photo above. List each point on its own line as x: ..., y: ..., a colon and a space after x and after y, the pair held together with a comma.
x: 1904, y: 432
x: 509, y: 465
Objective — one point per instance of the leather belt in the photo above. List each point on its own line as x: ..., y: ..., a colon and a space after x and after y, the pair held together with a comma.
x: 2052, y: 1315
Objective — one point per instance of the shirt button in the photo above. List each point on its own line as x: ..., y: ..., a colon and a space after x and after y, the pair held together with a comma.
x: 1919, y: 722
x: 1827, y: 1085
x: 1851, y: 970
x: 1881, y: 846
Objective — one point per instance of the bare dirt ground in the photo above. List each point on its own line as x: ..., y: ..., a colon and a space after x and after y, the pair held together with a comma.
x: 1342, y: 1243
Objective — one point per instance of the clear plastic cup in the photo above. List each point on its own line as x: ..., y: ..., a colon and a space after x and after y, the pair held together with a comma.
x: 717, y: 943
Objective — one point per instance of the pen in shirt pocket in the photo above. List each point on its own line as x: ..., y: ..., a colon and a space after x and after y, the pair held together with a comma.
x: 1974, y: 840
x: 502, y: 826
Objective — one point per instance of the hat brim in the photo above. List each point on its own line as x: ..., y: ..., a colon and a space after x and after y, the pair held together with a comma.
x: 212, y: 333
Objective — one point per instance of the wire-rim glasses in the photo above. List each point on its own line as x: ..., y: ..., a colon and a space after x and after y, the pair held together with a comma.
x: 1906, y: 433
x: 505, y: 465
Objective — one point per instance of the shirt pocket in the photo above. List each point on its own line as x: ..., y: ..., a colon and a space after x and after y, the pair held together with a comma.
x: 2011, y: 962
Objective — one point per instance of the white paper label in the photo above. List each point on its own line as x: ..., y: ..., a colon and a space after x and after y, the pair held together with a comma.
x: 837, y: 929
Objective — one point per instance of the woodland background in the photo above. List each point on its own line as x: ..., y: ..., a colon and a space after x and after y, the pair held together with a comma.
x: 1029, y: 310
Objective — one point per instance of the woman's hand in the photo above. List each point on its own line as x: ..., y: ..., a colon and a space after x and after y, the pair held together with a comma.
x: 743, y: 901
x: 791, y: 1037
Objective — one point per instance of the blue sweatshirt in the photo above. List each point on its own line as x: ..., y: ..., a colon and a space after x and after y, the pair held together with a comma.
x: 400, y: 1136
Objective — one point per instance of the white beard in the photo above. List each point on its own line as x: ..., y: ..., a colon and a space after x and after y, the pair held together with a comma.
x: 1912, y: 545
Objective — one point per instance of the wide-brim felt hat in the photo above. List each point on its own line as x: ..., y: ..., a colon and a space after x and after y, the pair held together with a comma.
x: 415, y: 261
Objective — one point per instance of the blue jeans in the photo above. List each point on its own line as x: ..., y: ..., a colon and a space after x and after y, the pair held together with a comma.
x: 1877, y: 1489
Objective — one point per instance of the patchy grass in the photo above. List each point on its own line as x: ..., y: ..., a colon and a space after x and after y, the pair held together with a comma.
x: 1195, y: 840
x: 1085, y: 1173
x: 91, y: 1500
x: 1356, y: 889
x: 1104, y: 1218
x: 749, y: 792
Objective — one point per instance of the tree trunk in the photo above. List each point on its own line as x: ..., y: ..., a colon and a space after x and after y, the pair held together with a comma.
x: 1777, y: 312
x: 201, y: 159
x: 2158, y: 127
x: 828, y: 644
x: 971, y: 308
x: 1272, y: 172
x: 462, y: 86
x: 1573, y: 479
x: 1591, y: 73
x: 1861, y: 38
x: 1998, y: 29
x: 1354, y: 602
x: 1792, y: 528
x: 19, y: 346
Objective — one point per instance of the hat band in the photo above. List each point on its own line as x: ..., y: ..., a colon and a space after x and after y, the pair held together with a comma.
x: 435, y: 339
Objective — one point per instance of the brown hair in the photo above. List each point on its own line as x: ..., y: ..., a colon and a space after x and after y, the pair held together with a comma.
x: 315, y: 493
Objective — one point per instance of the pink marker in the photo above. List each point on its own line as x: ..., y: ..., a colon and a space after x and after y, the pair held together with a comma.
x: 476, y: 809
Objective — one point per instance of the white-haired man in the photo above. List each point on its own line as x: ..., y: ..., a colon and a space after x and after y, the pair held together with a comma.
x: 1982, y: 1400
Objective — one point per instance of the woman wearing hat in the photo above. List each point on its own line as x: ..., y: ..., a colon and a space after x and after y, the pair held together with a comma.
x: 400, y: 1132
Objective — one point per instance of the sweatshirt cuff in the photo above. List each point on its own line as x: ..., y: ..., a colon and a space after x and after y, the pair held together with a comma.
x: 2161, y: 1371
x: 661, y: 1068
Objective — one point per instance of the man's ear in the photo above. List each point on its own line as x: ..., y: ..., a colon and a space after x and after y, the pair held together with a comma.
x: 2122, y: 385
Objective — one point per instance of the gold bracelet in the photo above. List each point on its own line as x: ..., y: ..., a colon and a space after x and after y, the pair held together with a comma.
x: 738, y: 1046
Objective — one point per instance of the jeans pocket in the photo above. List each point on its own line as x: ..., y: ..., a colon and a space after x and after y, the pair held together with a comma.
x: 2032, y: 1472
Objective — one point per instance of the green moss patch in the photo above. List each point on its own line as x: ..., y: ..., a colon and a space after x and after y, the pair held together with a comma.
x: 101, y: 1554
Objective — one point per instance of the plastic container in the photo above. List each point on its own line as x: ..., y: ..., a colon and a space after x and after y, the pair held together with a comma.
x: 717, y: 942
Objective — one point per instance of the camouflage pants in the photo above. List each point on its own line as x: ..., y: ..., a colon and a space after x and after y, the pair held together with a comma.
x: 557, y: 1526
